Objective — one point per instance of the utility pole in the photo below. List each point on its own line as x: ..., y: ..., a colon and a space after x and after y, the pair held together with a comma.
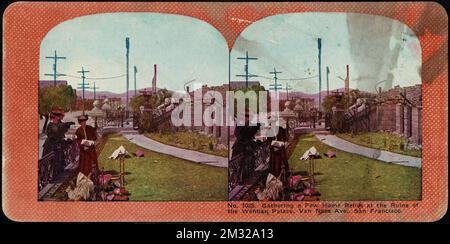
x: 328, y: 82
x: 95, y: 89
x: 55, y: 72
x: 287, y: 90
x: 83, y: 84
x: 135, y: 71
x: 247, y: 73
x: 319, y: 46
x: 275, y: 86
x: 154, y: 80
x: 127, y: 46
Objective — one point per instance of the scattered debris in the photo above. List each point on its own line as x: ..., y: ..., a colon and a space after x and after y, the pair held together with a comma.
x: 297, y: 197
x: 273, y: 189
x: 278, y: 144
x: 310, y: 198
x: 83, y: 190
x: 112, y: 190
x: 139, y: 153
x: 103, y: 179
x: 330, y: 154
x: 294, y: 181
x: 310, y: 153
x: 118, y: 152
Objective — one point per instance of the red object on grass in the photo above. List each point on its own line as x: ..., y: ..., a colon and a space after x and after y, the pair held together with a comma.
x: 139, y: 153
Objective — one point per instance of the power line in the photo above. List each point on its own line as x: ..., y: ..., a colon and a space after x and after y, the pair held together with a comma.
x: 98, y: 78
x: 305, y: 78
x: 106, y: 78
x: 290, y: 79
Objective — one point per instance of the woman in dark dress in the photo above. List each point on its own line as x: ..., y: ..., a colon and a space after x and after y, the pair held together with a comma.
x: 88, y: 156
x: 54, y: 142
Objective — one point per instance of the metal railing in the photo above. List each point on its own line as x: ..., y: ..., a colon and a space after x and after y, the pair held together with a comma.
x: 54, y: 163
x: 359, y: 120
x: 260, y: 155
x: 160, y: 120
x: 164, y: 117
x: 46, y: 170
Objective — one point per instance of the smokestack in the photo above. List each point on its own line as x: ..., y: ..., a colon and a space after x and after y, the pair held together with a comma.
x: 154, y: 79
x: 347, y: 80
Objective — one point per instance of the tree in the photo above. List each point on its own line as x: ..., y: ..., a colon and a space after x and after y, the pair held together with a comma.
x: 62, y: 96
x: 330, y: 101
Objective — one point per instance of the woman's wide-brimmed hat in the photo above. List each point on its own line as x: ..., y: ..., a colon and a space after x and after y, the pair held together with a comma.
x: 56, y: 111
x: 82, y: 118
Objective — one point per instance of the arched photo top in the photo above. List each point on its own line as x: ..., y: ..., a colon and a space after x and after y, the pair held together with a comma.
x: 183, y: 48
x: 380, y: 52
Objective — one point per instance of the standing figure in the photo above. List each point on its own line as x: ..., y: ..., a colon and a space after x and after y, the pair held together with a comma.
x: 55, y: 132
x: 246, y: 145
x: 86, y: 136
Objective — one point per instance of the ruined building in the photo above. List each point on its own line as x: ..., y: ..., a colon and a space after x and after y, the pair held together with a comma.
x: 398, y: 110
x: 401, y: 112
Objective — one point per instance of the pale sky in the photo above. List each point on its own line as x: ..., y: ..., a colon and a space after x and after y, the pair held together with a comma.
x: 186, y: 48
x: 288, y: 42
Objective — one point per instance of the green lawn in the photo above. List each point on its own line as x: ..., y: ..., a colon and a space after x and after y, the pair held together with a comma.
x: 159, y: 177
x: 380, y: 140
x: 353, y: 177
x: 189, y: 140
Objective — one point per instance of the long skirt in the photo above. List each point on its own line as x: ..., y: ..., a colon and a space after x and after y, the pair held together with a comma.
x: 88, y: 161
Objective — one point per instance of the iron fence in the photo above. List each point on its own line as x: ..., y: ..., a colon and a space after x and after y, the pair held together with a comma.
x: 260, y: 155
x: 66, y: 154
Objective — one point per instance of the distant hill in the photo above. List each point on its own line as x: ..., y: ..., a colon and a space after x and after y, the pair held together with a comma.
x: 123, y: 96
x: 315, y: 96
x: 282, y: 96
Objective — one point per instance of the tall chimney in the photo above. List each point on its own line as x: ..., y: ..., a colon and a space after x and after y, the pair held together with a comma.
x: 154, y: 79
x: 347, y: 81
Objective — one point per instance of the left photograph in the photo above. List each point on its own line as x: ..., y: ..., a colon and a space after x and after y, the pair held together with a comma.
x: 106, y: 103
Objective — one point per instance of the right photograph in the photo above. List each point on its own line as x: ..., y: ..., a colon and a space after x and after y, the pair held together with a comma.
x: 328, y: 107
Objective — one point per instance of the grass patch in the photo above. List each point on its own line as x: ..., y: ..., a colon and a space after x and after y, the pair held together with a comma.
x: 159, y: 177
x: 351, y: 177
x: 380, y: 140
x: 189, y: 140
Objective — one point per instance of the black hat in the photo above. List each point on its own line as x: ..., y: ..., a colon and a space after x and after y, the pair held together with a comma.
x: 82, y: 118
x: 56, y: 112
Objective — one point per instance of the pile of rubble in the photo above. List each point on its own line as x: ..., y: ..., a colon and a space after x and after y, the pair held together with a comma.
x: 293, y: 187
x: 298, y: 188
x: 108, y: 188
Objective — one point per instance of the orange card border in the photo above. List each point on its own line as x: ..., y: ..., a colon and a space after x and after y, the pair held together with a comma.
x: 25, y: 24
